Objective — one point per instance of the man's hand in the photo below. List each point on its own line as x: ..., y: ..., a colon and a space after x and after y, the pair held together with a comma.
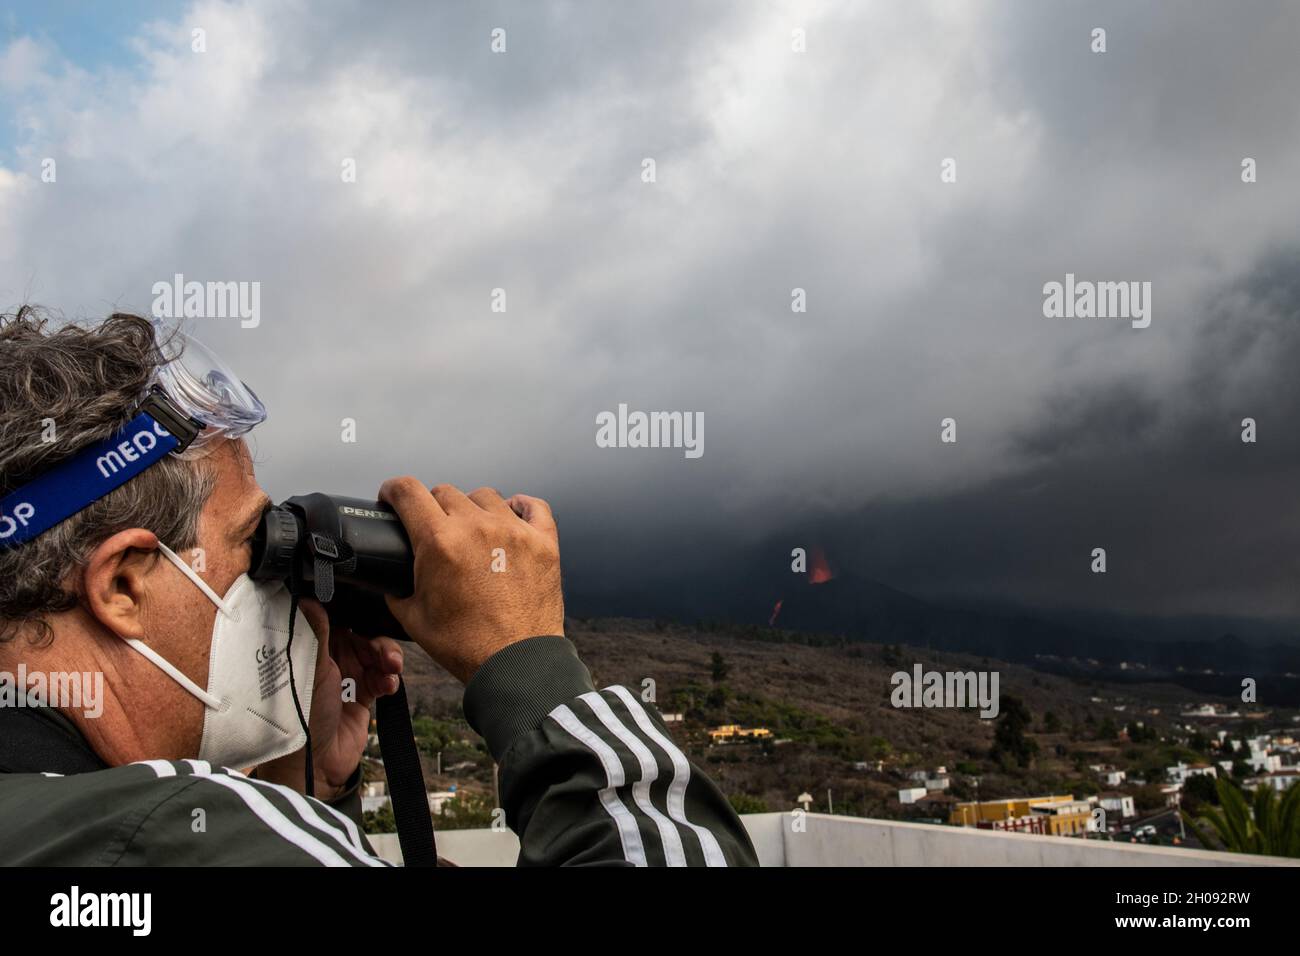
x: 487, y: 572
x: 339, y: 727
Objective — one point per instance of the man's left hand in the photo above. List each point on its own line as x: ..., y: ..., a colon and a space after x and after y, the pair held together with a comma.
x: 339, y: 727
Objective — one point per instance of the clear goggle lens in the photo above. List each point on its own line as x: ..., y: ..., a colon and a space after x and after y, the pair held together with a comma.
x: 205, y: 388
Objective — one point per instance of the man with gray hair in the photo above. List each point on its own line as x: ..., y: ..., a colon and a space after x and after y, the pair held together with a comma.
x: 128, y: 504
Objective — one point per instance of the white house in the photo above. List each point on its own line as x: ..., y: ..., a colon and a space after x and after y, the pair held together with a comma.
x: 936, y: 779
x: 1179, y: 772
x: 1263, y: 762
x: 1117, y: 804
x: 1112, y: 776
x: 911, y: 794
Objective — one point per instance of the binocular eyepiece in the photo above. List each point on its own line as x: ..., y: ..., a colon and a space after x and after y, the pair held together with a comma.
x: 346, y: 553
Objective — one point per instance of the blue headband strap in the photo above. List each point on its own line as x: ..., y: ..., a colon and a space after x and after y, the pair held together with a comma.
x: 78, y: 482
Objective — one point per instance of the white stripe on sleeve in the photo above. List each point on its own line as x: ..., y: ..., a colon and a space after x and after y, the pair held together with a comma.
x: 305, y: 809
x: 674, y: 855
x: 310, y: 812
x: 713, y: 855
x: 628, y: 834
x: 234, y: 779
x: 285, y: 828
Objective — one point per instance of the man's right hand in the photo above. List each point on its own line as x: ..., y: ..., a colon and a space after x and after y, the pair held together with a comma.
x: 463, y: 611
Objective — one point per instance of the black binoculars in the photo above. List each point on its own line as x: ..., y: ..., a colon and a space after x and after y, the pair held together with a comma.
x: 346, y: 553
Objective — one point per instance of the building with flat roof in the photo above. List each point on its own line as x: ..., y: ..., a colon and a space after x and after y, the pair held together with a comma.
x: 988, y: 814
x: 731, y: 733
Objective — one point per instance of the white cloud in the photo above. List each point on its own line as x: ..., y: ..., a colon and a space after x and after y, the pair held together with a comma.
x: 776, y: 170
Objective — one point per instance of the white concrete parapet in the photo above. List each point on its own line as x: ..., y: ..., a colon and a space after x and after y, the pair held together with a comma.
x: 855, y: 841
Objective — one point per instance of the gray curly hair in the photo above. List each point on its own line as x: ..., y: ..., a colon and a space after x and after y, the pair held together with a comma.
x: 79, y: 384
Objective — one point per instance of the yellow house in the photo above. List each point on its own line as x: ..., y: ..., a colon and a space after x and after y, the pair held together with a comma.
x: 728, y: 733
x: 1031, y: 814
x: 1070, y: 818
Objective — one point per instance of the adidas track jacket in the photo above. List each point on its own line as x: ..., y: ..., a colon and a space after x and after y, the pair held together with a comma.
x: 586, y: 777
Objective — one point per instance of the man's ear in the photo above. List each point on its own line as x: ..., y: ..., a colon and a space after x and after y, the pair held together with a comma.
x: 114, y: 580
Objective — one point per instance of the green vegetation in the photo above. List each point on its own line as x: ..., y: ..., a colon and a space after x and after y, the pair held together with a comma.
x: 379, y: 821
x: 879, y: 748
x: 451, y: 738
x: 744, y: 803
x: 793, y: 723
x: 1265, y: 825
x: 1149, y: 798
x: 1010, y: 745
x: 719, y: 704
x: 1201, y: 789
x: 1143, y: 734
x: 719, y: 668
x: 467, y: 812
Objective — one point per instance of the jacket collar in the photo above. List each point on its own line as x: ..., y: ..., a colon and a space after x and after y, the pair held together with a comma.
x: 42, y: 740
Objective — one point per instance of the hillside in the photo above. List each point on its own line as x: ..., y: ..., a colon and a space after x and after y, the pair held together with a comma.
x: 827, y: 704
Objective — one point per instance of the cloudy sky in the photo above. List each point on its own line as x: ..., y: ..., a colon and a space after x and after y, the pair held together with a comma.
x: 775, y: 170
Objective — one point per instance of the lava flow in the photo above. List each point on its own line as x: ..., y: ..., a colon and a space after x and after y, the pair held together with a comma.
x: 819, y: 572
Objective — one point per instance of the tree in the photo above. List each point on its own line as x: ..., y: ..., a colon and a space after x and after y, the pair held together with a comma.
x: 745, y: 803
x: 720, y: 668
x: 466, y: 811
x: 1266, y: 825
x: 1139, y: 733
x: 1149, y: 797
x: 1009, y: 740
x: 1051, y: 723
x: 379, y: 821
x: 1201, y: 788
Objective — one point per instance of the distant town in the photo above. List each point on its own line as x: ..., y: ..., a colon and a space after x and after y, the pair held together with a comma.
x: 784, y: 726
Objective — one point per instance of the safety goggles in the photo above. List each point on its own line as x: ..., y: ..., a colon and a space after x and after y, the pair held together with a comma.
x: 205, y: 389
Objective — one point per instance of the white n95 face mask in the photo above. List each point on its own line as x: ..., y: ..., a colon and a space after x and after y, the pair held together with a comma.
x: 252, y: 716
